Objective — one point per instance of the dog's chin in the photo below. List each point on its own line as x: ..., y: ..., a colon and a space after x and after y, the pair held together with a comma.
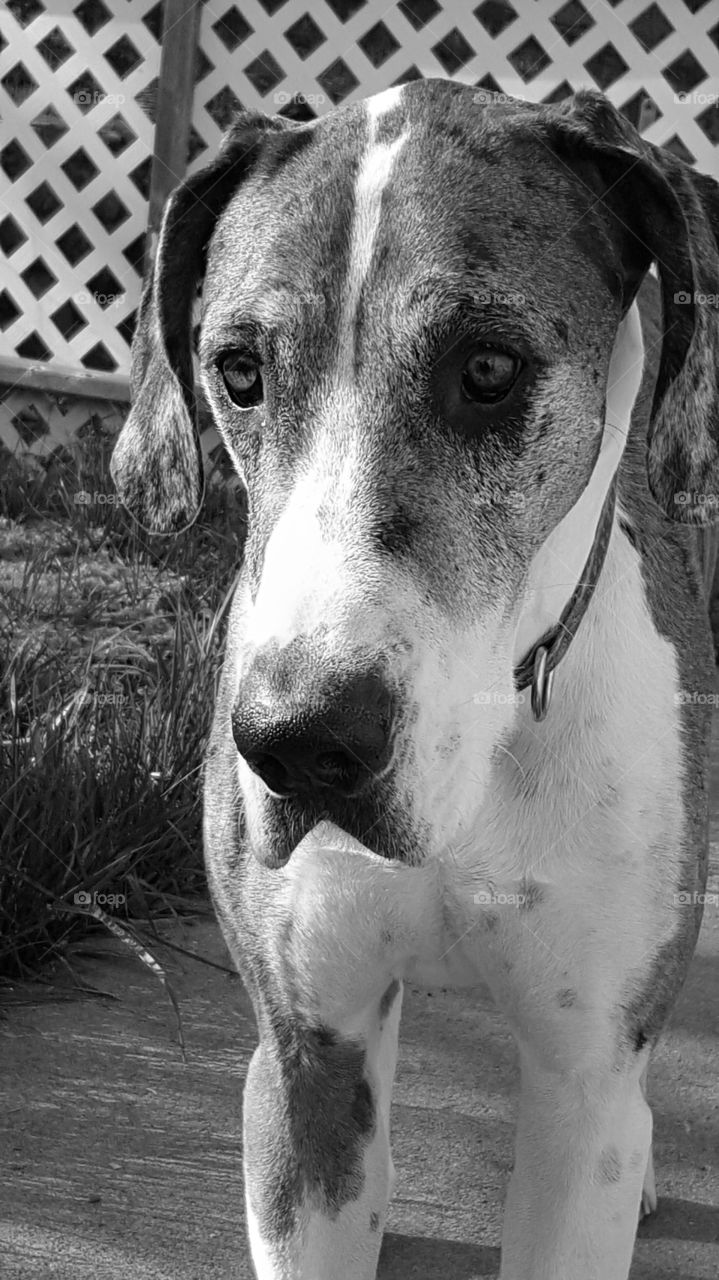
x: 372, y: 823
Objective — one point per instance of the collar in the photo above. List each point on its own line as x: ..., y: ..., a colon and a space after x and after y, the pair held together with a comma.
x: 597, y: 503
x: 537, y: 667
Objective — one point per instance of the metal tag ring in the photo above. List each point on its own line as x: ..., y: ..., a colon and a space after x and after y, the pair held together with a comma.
x: 542, y: 681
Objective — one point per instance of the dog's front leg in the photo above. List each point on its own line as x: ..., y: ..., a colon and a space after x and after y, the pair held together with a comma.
x: 582, y: 1147
x: 318, y: 1169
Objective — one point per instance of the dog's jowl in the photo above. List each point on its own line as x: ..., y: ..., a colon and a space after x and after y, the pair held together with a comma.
x: 458, y: 353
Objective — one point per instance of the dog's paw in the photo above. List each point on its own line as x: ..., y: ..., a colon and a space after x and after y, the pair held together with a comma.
x: 648, y: 1204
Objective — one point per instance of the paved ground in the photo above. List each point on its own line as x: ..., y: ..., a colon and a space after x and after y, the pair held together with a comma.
x: 118, y: 1160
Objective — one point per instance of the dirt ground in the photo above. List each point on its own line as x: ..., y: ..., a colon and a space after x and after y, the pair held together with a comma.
x: 117, y: 1159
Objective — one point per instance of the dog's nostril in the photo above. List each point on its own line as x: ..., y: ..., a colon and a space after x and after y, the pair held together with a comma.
x: 333, y: 766
x: 294, y: 768
x: 271, y: 770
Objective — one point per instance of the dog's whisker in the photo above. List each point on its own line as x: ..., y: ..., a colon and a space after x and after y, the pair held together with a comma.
x: 505, y: 751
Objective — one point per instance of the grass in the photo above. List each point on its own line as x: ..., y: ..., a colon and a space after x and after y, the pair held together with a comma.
x: 110, y: 648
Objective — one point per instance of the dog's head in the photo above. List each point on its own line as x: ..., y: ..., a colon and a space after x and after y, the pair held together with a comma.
x: 409, y: 310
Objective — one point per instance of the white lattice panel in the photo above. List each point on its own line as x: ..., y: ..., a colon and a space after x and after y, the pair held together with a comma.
x: 77, y: 84
x: 75, y: 155
x: 644, y: 56
x: 35, y: 424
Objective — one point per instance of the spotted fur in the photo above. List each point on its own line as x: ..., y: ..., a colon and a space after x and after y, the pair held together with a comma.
x: 363, y: 255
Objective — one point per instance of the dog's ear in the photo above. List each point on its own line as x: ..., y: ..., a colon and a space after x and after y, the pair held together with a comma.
x: 664, y: 213
x: 157, y: 461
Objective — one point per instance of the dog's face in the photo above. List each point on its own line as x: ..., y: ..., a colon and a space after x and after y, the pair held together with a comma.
x: 408, y: 314
x: 423, y: 404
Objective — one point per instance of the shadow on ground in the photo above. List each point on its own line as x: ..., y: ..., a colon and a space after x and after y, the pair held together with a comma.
x: 683, y: 1220
x: 406, y: 1257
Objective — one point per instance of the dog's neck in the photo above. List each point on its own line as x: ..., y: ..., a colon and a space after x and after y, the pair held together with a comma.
x: 574, y: 552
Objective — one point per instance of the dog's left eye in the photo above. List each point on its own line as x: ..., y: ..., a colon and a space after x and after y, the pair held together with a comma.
x: 242, y: 378
x: 489, y: 374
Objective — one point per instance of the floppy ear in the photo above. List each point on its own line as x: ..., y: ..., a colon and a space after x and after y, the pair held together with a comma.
x: 157, y: 461
x: 667, y: 214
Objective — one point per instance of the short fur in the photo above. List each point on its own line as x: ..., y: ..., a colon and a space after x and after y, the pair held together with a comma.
x: 392, y: 530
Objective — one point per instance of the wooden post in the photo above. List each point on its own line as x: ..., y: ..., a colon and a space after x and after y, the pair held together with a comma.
x: 174, y: 109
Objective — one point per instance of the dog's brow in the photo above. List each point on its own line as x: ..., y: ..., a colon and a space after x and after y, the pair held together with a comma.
x: 486, y: 308
x: 486, y: 312
x: 452, y: 290
x: 263, y: 309
x: 235, y: 334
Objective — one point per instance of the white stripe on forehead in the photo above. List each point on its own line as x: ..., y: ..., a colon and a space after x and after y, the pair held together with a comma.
x: 377, y: 164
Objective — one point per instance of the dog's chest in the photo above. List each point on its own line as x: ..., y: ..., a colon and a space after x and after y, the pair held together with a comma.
x: 580, y: 837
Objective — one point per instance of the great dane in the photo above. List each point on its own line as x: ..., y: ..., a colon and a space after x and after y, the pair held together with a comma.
x: 463, y: 353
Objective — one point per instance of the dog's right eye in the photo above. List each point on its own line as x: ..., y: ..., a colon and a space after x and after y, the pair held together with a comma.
x: 242, y: 378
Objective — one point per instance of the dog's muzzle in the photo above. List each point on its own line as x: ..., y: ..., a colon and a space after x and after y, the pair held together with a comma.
x: 306, y: 731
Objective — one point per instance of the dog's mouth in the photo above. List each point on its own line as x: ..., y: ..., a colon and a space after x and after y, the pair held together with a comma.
x: 327, y: 835
x: 372, y: 822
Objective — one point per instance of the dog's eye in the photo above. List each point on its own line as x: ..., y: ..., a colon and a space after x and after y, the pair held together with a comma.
x: 242, y: 379
x: 489, y: 374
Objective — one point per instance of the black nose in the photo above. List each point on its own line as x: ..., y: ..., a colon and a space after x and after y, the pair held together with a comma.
x: 303, y: 731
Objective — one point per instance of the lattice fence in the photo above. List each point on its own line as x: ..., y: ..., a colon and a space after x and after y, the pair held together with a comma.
x: 78, y: 86
x: 77, y: 137
x: 266, y: 54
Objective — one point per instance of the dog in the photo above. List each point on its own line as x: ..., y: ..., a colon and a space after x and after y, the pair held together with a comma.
x: 462, y: 351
